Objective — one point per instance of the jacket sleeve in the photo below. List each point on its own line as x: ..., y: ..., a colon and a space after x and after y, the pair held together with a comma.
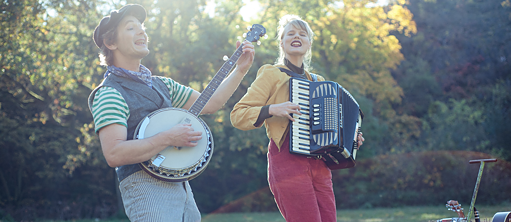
x: 245, y: 113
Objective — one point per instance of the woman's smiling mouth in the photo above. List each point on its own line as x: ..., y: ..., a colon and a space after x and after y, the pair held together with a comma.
x: 296, y: 44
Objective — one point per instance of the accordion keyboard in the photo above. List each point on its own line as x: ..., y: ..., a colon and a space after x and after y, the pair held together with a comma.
x: 301, y: 125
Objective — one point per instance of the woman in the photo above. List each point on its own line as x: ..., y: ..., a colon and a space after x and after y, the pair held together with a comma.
x: 302, y: 186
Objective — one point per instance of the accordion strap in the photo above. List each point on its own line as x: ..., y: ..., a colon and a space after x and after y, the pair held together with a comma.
x: 296, y: 75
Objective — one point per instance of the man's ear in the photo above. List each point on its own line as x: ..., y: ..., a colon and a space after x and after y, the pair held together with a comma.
x: 111, y: 47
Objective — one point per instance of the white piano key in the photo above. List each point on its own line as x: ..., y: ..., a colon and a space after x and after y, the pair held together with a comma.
x: 302, y: 99
x: 298, y: 145
x: 299, y: 141
x: 303, y: 117
x: 304, y: 122
x: 301, y: 151
x: 303, y: 91
x: 298, y: 129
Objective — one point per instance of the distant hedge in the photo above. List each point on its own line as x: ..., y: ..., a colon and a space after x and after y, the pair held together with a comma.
x: 414, y: 179
x: 418, y: 179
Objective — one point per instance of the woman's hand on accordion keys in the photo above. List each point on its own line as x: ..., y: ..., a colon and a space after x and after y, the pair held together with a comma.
x: 284, y: 110
x: 360, y: 139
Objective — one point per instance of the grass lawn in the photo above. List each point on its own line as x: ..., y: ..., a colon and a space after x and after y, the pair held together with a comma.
x: 403, y: 214
x: 408, y: 214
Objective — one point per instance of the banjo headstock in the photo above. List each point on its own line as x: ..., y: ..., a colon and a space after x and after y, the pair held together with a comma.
x: 255, y: 33
x: 453, y: 205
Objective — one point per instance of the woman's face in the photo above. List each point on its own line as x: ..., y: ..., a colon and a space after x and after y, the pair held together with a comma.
x: 295, y: 41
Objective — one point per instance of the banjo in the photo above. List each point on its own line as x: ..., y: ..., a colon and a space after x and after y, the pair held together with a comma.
x: 177, y: 164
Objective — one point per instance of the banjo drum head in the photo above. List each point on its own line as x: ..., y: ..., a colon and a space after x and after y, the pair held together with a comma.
x: 175, y: 158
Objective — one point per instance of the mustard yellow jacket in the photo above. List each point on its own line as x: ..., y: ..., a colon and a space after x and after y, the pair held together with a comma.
x: 271, y: 86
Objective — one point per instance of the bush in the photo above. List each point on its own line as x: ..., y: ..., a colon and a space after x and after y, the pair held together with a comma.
x: 418, y: 179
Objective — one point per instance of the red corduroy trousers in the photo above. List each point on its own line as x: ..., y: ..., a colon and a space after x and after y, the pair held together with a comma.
x: 302, y: 186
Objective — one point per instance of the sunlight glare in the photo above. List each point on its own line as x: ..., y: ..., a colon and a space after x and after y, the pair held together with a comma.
x: 248, y: 11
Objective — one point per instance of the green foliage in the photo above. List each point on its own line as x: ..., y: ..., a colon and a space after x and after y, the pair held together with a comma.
x: 455, y: 68
x: 429, y: 75
x: 498, y: 118
x: 455, y: 126
x: 421, y: 178
x: 45, y: 79
x: 420, y: 87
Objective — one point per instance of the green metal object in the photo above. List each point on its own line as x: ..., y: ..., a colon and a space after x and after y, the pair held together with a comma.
x: 481, y: 167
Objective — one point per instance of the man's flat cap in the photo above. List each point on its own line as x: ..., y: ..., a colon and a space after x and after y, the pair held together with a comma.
x: 111, y: 21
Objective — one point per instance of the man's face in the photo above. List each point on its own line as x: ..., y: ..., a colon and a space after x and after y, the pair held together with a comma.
x: 131, y: 39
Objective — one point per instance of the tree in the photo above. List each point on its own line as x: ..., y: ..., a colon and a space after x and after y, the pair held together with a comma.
x: 458, y: 59
x: 45, y: 79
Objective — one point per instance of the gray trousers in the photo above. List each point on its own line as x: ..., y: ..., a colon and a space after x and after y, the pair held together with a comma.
x: 148, y: 199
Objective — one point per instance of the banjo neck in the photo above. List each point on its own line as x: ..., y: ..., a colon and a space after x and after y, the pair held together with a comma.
x: 174, y: 164
x: 206, y: 94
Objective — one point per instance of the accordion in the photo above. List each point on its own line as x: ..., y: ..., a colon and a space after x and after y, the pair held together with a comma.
x: 329, y: 125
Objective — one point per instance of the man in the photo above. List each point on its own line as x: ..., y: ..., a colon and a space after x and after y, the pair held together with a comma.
x: 128, y: 93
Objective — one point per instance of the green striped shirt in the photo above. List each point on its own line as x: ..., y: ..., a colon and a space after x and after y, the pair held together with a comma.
x: 109, y: 106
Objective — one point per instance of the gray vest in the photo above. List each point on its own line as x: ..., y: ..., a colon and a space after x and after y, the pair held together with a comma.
x: 141, y: 101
